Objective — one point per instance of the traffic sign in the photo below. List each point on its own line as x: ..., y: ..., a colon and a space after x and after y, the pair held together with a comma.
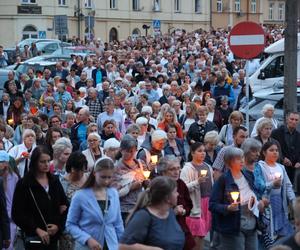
x: 42, y: 34
x: 156, y: 24
x: 247, y: 40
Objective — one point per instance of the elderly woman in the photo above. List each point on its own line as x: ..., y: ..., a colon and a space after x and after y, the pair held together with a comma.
x: 62, y: 149
x: 170, y: 166
x: 171, y: 118
x: 236, y: 119
x: 199, y: 128
x: 129, y: 175
x: 111, y: 148
x: 264, y: 130
x: 234, y: 205
x: 94, y: 151
x: 92, y: 128
x: 21, y: 153
x: 268, y: 112
x: 211, y: 141
x: 213, y: 114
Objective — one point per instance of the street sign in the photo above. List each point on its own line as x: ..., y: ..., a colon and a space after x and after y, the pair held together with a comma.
x: 61, y: 24
x: 156, y: 24
x: 247, y: 40
x: 42, y: 34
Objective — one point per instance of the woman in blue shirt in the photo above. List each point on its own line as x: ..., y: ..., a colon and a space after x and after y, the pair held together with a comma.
x: 94, y: 218
x: 154, y: 217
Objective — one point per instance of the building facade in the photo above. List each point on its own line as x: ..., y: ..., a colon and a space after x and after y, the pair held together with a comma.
x: 227, y: 13
x: 104, y: 19
x: 274, y: 12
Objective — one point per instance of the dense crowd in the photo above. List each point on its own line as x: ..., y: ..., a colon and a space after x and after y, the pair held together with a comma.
x: 142, y: 145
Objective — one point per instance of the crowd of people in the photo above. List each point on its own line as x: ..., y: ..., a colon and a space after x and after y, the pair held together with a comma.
x: 143, y: 146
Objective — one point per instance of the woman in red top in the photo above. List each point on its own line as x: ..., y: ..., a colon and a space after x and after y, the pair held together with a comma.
x: 171, y: 118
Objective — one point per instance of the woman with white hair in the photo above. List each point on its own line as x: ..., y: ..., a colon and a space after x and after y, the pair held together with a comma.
x: 211, y: 141
x: 21, y: 153
x: 62, y: 149
x: 94, y: 151
x: 268, y: 112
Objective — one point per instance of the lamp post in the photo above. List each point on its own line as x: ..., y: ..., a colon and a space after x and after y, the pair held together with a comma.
x: 78, y: 13
x: 146, y: 27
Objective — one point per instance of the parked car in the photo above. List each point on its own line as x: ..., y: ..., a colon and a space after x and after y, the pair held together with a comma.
x: 272, y: 96
x: 37, y: 66
x: 49, y: 58
x: 74, y: 50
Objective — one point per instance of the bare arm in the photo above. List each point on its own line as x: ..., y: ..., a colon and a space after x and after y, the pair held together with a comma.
x: 137, y: 247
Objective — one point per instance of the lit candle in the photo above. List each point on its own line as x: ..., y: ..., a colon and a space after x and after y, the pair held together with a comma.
x: 235, y: 195
x: 10, y: 121
x: 154, y: 159
x: 146, y: 174
x: 277, y: 175
x: 203, y: 172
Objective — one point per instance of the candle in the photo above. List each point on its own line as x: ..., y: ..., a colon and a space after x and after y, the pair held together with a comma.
x: 235, y: 195
x: 154, y: 159
x: 203, y: 172
x: 146, y: 174
x: 277, y: 175
x: 10, y: 121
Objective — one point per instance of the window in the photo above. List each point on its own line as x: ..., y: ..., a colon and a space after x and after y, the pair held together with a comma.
x: 136, y: 4
x: 88, y: 3
x: 219, y: 5
x: 177, y: 5
x: 237, y: 6
x: 271, y: 11
x: 113, y: 4
x: 275, y: 68
x: 28, y: 1
x: 156, y: 5
x: 136, y: 33
x: 197, y: 6
x: 29, y: 31
x: 62, y: 2
x: 281, y: 11
x: 253, y: 6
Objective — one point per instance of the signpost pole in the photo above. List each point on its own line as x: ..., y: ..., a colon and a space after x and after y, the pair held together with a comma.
x: 247, y: 94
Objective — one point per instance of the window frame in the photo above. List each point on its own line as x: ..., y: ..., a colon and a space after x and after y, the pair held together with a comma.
x: 237, y: 6
x: 28, y: 2
x: 253, y: 6
x: 136, y: 3
x: 159, y: 5
x: 113, y: 4
x: 271, y: 11
x: 198, y: 5
x: 62, y: 2
x: 281, y: 13
x: 219, y: 6
x: 177, y: 6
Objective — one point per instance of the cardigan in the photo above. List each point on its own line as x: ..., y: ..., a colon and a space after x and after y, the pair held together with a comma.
x: 85, y: 219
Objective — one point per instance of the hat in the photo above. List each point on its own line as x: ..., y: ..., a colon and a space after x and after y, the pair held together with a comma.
x: 4, y: 156
x: 111, y: 143
x: 147, y: 109
x: 141, y: 121
x: 158, y: 135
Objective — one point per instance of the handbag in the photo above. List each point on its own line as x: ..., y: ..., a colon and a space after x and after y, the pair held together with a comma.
x: 34, y: 242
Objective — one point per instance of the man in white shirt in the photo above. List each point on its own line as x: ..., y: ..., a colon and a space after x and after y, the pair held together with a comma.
x: 89, y: 68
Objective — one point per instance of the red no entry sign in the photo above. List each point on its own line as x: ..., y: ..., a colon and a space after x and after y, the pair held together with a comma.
x: 247, y: 40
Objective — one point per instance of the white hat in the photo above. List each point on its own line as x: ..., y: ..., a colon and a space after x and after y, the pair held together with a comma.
x: 111, y: 143
x: 158, y: 135
x: 141, y: 121
x: 147, y: 109
x: 118, y: 79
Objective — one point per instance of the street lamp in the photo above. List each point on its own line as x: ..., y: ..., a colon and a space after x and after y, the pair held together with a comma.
x: 78, y: 13
x: 146, y: 27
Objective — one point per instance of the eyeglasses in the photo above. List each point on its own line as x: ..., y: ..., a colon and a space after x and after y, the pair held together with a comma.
x: 93, y: 140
